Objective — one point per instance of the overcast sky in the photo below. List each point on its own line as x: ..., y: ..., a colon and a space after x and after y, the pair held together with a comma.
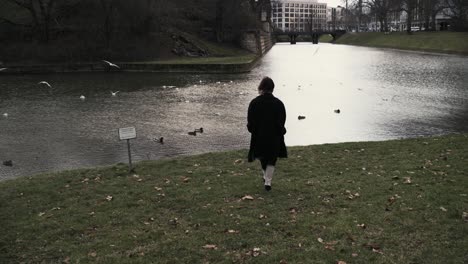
x: 334, y: 3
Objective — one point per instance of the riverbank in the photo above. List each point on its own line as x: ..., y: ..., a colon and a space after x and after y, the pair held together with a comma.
x: 367, y: 202
x: 227, y: 64
x: 441, y: 42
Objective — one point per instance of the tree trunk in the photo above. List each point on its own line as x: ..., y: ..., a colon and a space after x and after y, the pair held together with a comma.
x: 409, y: 20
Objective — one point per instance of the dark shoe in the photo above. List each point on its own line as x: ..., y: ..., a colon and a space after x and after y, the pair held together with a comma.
x: 268, y: 187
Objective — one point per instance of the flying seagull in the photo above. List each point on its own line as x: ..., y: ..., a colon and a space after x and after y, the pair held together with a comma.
x: 111, y: 64
x: 45, y: 83
x: 114, y: 93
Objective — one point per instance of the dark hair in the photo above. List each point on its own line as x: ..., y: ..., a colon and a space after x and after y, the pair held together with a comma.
x: 266, y: 85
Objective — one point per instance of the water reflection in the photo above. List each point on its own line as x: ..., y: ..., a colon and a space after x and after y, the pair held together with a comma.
x: 382, y: 94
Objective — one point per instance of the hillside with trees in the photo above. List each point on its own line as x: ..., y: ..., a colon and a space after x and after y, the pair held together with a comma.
x: 87, y: 30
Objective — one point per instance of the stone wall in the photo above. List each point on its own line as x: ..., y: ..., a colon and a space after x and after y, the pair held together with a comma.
x: 258, y: 43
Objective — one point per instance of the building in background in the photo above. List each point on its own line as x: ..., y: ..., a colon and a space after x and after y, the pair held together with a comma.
x: 301, y: 16
x: 336, y: 18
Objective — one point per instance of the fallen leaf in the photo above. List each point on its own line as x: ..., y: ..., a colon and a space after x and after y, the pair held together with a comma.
x: 231, y: 231
x: 109, y: 198
x: 354, y: 255
x: 210, y: 246
x: 443, y: 209
x: 329, y: 247
x: 157, y: 188
x: 320, y: 240
x: 465, y: 216
x: 256, y: 252
x: 407, y: 180
x: 377, y: 251
x: 41, y: 214
x: 92, y: 254
x: 262, y: 216
x: 247, y: 197
x: 185, y: 179
x: 363, y: 226
x: 238, y: 161
x: 340, y: 262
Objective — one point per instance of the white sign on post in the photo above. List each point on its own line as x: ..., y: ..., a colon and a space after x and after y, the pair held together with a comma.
x: 127, y: 133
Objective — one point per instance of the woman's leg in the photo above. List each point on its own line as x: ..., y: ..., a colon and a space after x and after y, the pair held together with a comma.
x: 269, y: 170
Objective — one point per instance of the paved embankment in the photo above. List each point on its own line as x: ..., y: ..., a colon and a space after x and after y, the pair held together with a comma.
x: 218, y: 65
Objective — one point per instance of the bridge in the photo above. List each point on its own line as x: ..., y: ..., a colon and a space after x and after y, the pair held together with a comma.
x: 315, y: 34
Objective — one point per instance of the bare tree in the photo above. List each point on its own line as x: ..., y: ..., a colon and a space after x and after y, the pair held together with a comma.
x: 41, y: 12
x: 458, y: 11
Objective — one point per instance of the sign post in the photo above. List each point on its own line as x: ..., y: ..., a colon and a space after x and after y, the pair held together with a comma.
x: 128, y: 133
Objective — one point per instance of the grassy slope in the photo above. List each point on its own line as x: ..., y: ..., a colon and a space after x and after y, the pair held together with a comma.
x: 451, y: 42
x: 170, y: 209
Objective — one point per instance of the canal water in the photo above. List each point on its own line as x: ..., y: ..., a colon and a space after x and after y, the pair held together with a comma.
x: 381, y: 94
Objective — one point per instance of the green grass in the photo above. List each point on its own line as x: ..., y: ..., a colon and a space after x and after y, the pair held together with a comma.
x: 449, y: 42
x: 241, y: 59
x: 326, y: 38
x: 354, y: 197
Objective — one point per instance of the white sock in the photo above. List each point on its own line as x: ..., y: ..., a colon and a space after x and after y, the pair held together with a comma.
x: 269, y: 174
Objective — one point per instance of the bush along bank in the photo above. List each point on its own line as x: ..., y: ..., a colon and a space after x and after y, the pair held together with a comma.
x: 440, y: 41
x: 396, y: 201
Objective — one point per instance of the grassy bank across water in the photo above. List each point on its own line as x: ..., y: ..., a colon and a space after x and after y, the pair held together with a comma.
x: 444, y: 42
x: 220, y: 58
x: 401, y: 201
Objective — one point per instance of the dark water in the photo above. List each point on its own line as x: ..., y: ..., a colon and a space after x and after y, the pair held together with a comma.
x: 381, y: 94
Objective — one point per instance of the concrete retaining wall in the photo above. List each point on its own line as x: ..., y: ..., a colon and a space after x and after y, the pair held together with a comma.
x: 255, y: 42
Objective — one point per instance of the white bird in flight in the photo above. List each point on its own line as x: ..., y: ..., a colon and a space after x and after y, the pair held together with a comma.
x: 82, y: 97
x: 45, y: 83
x: 114, y: 93
x: 111, y: 64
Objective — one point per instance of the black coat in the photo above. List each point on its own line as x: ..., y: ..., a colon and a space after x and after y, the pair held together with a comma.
x: 265, y: 121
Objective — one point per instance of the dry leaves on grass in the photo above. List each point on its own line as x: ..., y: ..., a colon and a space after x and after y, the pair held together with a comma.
x: 109, y: 198
x: 443, y: 209
x: 363, y: 226
x: 352, y: 196
x: 210, y: 246
x: 255, y: 252
x: 247, y: 197
x: 185, y: 179
x: 407, y: 180
x: 374, y: 248
x: 465, y: 216
x: 232, y: 231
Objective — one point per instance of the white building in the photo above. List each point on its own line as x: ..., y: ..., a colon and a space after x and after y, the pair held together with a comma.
x: 299, y: 15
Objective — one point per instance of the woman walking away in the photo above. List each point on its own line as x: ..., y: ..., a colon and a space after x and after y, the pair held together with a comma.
x: 265, y: 121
